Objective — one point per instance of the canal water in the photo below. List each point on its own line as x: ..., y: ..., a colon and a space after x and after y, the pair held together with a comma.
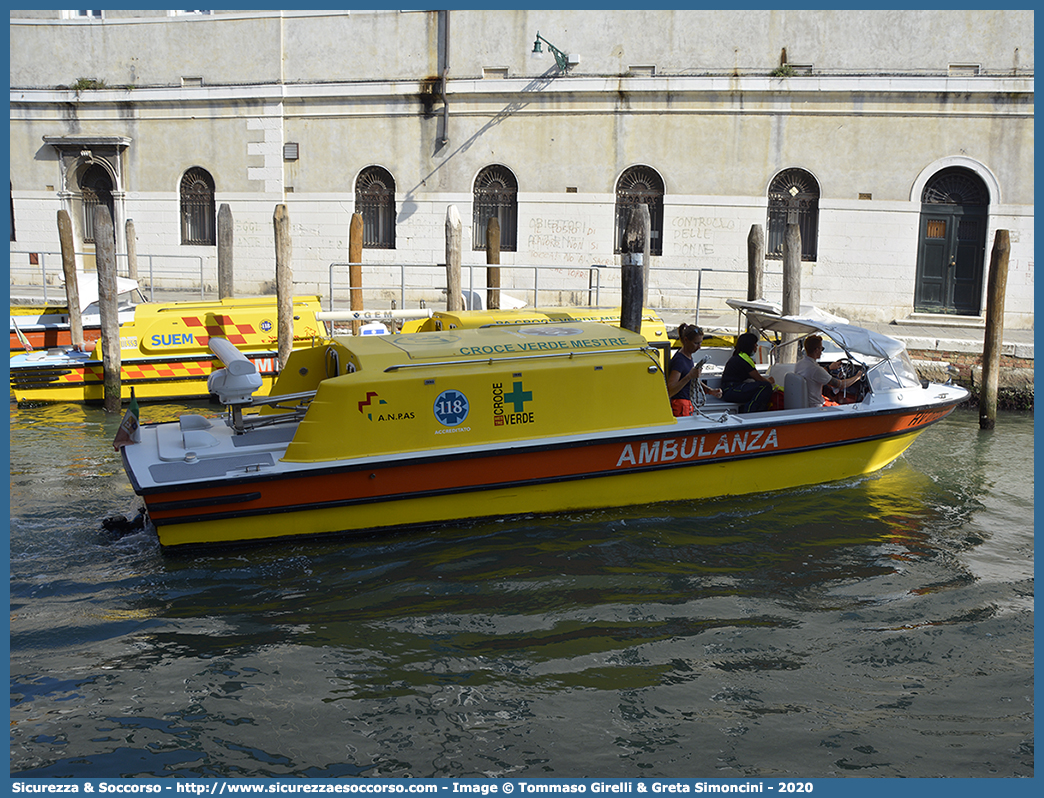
x: 877, y: 627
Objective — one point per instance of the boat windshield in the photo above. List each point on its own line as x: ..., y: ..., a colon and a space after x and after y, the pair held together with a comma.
x: 893, y: 373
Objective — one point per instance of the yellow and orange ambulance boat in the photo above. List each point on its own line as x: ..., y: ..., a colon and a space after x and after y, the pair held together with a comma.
x: 164, y: 351
x: 384, y: 433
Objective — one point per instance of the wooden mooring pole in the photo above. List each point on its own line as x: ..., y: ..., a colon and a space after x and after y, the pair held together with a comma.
x: 132, y: 250
x: 225, y: 247
x: 108, y: 309
x: 755, y: 263
x: 72, y: 290
x: 355, y: 248
x: 284, y: 284
x: 493, y: 264
x: 791, y: 286
x: 646, y: 221
x: 996, y: 285
x: 454, y: 297
x: 633, y: 269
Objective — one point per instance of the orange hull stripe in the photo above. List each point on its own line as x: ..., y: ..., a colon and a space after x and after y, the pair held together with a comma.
x: 628, y: 455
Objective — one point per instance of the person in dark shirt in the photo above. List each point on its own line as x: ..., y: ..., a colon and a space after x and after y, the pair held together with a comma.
x: 741, y: 382
x: 682, y: 371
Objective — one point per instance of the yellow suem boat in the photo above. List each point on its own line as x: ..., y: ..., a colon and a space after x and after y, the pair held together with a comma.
x: 382, y: 433
x: 164, y: 351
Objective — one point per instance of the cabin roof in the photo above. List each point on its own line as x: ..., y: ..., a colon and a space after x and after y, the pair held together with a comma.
x: 485, y: 343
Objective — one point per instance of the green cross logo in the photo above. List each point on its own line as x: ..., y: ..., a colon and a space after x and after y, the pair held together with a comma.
x: 518, y: 397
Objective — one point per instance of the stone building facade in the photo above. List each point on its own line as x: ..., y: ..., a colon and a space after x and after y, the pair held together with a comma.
x: 899, y: 140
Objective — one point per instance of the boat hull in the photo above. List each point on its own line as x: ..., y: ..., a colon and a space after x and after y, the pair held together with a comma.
x: 51, y: 337
x: 153, y: 379
x: 543, y: 477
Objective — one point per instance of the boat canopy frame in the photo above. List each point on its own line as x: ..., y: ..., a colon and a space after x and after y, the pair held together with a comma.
x: 853, y: 341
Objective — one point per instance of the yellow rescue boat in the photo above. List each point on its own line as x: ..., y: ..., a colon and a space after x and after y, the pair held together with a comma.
x: 164, y: 351
x: 383, y: 433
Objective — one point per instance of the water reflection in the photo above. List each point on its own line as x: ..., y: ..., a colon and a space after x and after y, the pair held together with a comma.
x: 561, y: 588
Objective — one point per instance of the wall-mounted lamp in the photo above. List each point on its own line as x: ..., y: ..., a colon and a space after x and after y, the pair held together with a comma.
x: 561, y: 59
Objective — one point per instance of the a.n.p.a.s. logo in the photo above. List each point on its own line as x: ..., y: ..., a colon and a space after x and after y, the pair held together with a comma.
x: 370, y: 403
x: 376, y: 409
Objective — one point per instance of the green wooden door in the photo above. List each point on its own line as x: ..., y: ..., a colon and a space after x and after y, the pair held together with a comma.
x: 952, y: 251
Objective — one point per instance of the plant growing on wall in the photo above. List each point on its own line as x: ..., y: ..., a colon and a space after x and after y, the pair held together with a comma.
x: 88, y: 84
x: 784, y: 70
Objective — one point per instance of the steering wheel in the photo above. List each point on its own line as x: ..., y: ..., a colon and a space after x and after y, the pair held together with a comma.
x: 846, y: 369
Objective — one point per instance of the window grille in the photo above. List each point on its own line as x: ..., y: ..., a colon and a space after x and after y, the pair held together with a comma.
x: 955, y: 186
x: 637, y: 185
x: 95, y: 188
x: 793, y: 197
x: 198, y: 225
x: 496, y: 194
x: 375, y: 200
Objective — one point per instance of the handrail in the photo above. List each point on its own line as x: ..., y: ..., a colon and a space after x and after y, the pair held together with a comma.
x: 673, y: 281
x: 366, y: 315
x: 473, y: 284
x: 122, y: 268
x: 260, y: 401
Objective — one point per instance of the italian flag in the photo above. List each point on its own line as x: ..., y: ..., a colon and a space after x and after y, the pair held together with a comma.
x: 128, y: 431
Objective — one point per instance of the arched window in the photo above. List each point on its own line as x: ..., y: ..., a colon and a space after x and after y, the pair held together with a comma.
x: 95, y: 188
x: 198, y: 225
x: 793, y: 197
x: 955, y: 186
x: 375, y: 200
x: 637, y: 185
x: 496, y: 194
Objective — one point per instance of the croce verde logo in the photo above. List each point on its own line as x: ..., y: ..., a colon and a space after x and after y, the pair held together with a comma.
x: 518, y: 397
x: 509, y: 406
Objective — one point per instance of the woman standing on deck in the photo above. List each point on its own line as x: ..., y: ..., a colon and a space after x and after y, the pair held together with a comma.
x: 682, y: 371
x: 741, y: 382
